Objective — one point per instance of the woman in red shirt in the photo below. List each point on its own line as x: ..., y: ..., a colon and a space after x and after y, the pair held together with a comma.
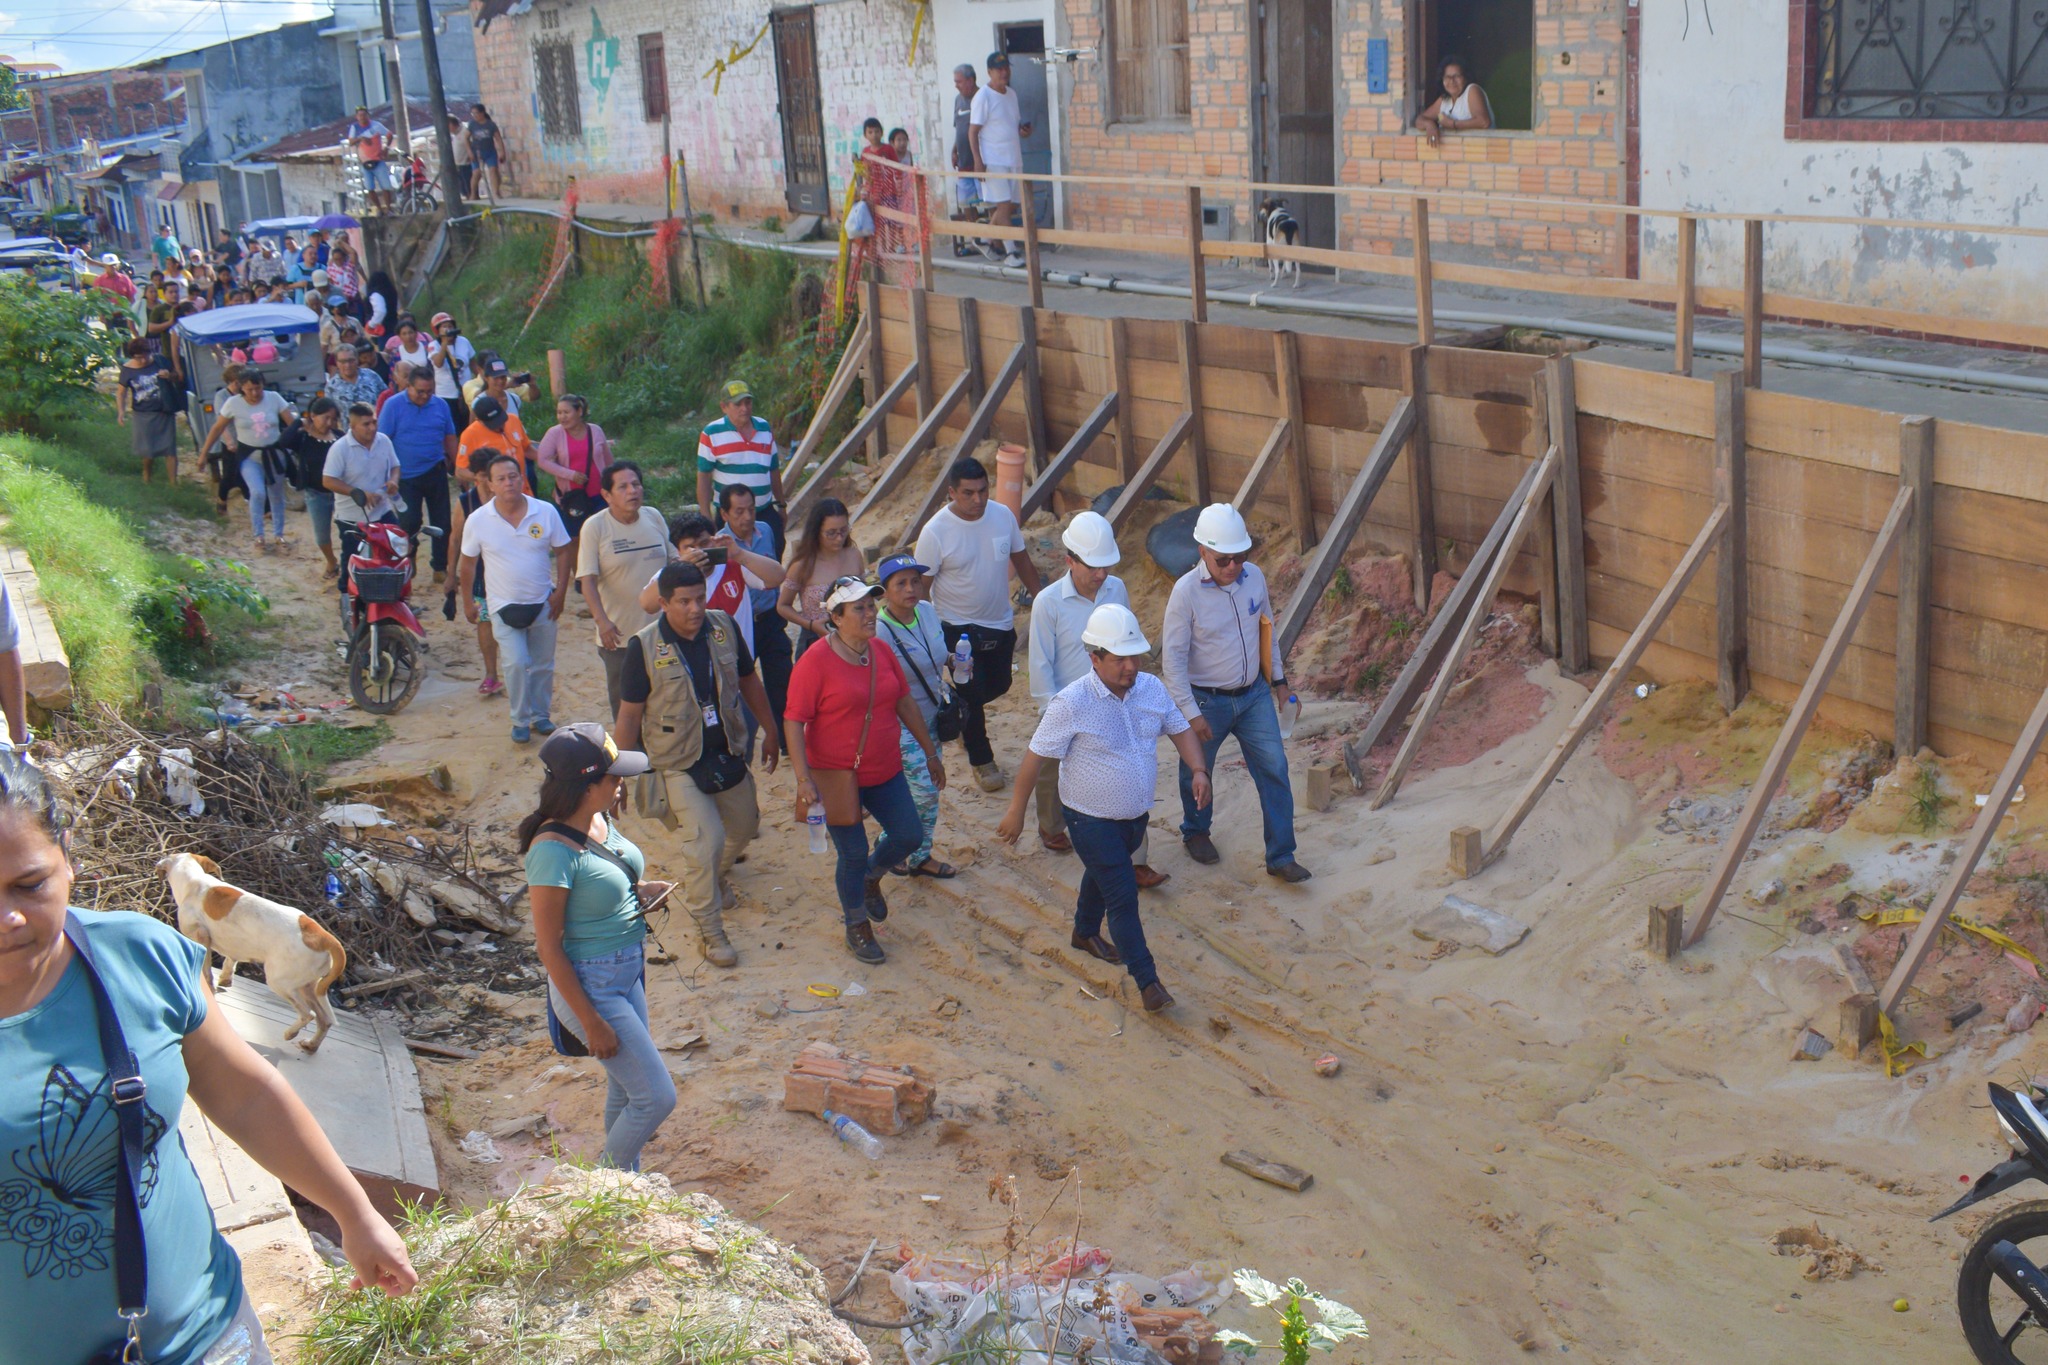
x: 846, y: 699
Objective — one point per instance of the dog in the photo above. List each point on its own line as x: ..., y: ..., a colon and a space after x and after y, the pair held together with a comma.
x: 301, y: 960
x: 1278, y: 225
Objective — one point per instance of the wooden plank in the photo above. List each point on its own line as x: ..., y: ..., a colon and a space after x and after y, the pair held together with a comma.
x: 1753, y: 304
x: 1120, y: 376
x: 1688, y: 284
x: 1425, y: 305
x: 851, y: 361
x: 1270, y: 454
x: 1801, y: 715
x: 1567, y: 499
x: 1667, y: 402
x: 1198, y: 271
x: 1916, y: 582
x: 1034, y: 393
x: 1035, y: 280
x: 970, y: 346
x: 869, y: 423
x: 984, y: 414
x: 1040, y: 493
x: 1421, y: 478
x: 1149, y: 472
x: 1329, y: 553
x: 877, y: 371
x: 1731, y: 570
x: 1965, y: 866
x: 1436, y: 638
x: 921, y: 348
x: 920, y: 441
x: 1301, y: 503
x: 1611, y: 682
x: 1191, y: 403
x: 1543, y: 534
x: 924, y: 240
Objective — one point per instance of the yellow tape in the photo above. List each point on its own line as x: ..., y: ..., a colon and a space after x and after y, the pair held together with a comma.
x: 1895, y: 1052
x: 719, y: 66
x: 916, y: 27
x: 1906, y: 914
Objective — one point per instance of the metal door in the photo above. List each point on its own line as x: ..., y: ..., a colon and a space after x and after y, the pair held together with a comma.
x: 801, y: 110
x: 1298, y: 119
x: 1025, y: 44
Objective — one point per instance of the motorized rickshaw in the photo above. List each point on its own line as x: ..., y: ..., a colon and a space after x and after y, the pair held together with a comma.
x: 209, y: 340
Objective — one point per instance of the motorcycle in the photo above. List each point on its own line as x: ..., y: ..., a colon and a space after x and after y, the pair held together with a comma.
x: 1999, y: 1274
x: 384, y: 637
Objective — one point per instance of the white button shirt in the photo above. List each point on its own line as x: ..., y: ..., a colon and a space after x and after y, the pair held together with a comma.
x: 1211, y: 634
x: 1058, y: 616
x: 1108, y: 747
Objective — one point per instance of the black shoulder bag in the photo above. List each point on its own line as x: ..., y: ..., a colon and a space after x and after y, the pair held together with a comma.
x: 131, y: 1266
x: 567, y: 1043
x: 949, y: 717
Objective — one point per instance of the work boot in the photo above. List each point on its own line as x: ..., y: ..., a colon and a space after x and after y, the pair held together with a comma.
x: 872, y: 902
x: 1148, y: 878
x: 715, y: 946
x: 860, y: 941
x: 989, y: 777
x: 1155, y: 998
x: 1202, y: 849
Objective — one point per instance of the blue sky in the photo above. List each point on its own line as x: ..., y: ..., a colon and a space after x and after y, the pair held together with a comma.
x: 85, y: 35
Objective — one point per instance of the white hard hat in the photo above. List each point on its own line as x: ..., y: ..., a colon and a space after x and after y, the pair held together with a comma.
x: 1091, y: 540
x: 1221, y: 529
x: 1112, y: 627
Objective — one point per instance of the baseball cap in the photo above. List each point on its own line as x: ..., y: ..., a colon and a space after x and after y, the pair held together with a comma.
x: 488, y: 410
x: 850, y: 589
x: 896, y: 564
x: 496, y: 365
x: 319, y: 278
x: 734, y: 390
x: 584, y: 750
x: 334, y: 300
x: 996, y: 59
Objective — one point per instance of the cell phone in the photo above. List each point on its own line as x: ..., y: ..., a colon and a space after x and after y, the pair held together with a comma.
x: 649, y: 907
x: 714, y: 554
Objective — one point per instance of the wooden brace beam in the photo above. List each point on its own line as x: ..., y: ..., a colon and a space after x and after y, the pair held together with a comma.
x: 869, y: 422
x: 1270, y: 454
x: 1329, y: 553
x: 977, y: 427
x: 927, y: 432
x: 1039, y: 495
x: 850, y: 362
x: 1149, y: 472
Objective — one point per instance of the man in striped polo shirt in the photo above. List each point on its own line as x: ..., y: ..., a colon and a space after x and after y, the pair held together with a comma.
x: 740, y: 449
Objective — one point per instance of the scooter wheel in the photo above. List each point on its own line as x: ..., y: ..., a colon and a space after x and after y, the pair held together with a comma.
x: 383, y: 669
x: 1989, y: 1309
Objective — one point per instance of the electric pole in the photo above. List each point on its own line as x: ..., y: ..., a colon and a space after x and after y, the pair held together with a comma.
x: 395, y: 78
x: 437, y: 102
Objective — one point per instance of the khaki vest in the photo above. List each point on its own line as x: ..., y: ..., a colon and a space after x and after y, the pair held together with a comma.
x: 672, y: 732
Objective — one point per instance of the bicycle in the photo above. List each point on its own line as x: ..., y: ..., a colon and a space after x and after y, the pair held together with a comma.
x: 416, y: 192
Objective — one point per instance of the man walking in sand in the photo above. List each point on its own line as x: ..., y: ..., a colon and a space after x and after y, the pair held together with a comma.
x: 1214, y: 655
x: 1058, y: 658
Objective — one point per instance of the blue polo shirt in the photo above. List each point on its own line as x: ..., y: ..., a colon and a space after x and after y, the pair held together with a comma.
x: 417, y: 432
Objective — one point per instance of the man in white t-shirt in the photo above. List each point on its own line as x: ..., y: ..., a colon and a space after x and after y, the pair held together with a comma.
x: 971, y: 545
x: 996, y: 132
x: 615, y: 552
x: 527, y: 556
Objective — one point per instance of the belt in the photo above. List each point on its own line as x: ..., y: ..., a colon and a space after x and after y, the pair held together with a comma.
x: 1225, y: 691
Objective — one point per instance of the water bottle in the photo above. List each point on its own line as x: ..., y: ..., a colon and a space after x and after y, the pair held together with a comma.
x: 855, y: 1136
x: 815, y: 820
x: 333, y: 889
x: 963, y: 662
x: 1290, y: 711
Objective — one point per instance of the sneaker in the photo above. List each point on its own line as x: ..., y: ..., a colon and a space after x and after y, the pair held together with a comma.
x: 992, y: 250
x: 860, y: 941
x: 543, y: 726
x: 1014, y: 260
x: 989, y: 776
x: 1202, y: 849
x: 522, y: 734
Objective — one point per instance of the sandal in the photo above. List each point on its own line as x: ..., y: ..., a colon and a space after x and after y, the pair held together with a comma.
x: 489, y: 687
x: 932, y: 867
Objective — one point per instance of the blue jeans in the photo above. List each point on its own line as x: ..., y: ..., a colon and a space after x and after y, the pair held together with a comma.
x: 320, y: 510
x: 1256, y: 724
x: 639, y: 1091
x: 1109, y: 888
x: 891, y: 805
x: 263, y: 492
x: 526, y: 660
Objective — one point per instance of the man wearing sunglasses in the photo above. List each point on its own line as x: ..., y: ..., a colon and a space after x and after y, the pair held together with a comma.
x: 1223, y: 669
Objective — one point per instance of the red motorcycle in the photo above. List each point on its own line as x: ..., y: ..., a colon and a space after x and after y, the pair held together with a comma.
x: 385, y: 639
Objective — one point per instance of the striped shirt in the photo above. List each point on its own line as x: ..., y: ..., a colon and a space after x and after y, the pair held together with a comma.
x: 730, y: 456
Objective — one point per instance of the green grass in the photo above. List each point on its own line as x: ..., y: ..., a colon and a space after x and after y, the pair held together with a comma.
x: 650, y: 370
x: 312, y: 749
x: 80, y: 440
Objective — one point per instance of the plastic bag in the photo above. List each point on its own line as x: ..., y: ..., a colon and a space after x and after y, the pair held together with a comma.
x: 860, y: 220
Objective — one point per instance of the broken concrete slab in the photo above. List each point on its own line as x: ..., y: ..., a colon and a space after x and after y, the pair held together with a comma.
x: 1468, y: 925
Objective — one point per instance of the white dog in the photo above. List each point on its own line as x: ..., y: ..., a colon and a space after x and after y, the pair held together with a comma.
x: 300, y: 959
x: 1281, y: 226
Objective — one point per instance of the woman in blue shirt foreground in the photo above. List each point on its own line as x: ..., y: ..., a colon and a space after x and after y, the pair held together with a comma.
x: 60, y: 1145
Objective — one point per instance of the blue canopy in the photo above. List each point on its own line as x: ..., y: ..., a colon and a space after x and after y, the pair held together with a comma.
x: 278, y: 227
x: 247, y: 321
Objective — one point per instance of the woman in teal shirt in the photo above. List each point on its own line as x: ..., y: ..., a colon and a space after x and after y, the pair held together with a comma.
x: 60, y: 1149
x: 588, y: 925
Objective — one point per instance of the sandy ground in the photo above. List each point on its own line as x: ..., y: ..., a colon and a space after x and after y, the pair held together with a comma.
x: 1568, y: 1149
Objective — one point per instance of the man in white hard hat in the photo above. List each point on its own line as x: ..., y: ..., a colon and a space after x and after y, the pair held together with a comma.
x: 1223, y: 668
x: 1104, y: 730
x: 1059, y: 617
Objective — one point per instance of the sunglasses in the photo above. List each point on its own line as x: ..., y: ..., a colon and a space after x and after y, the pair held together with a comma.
x: 1238, y: 558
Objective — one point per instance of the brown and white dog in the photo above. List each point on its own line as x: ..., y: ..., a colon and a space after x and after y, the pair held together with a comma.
x: 300, y: 959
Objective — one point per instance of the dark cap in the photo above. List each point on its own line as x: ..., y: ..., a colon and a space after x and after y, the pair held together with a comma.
x: 496, y: 365
x: 488, y: 410
x: 896, y: 564
x: 584, y: 750
x: 996, y: 59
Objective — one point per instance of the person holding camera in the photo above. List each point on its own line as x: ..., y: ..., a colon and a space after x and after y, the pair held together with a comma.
x: 731, y: 575
x: 912, y: 631
x: 685, y: 673
x: 452, y: 358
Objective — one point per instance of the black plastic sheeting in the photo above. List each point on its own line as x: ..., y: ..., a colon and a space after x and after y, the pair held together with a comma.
x: 1172, y: 542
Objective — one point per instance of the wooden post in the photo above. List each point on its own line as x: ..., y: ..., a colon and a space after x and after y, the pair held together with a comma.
x: 1041, y: 491
x: 1856, y: 1026
x: 1544, y: 535
x: 1575, y: 650
x: 1731, y: 570
x: 1036, y: 283
x: 1126, y: 421
x: 921, y: 348
x: 1753, y: 303
x: 1916, y: 575
x: 1301, y: 503
x: 1421, y: 484
x: 1191, y: 395
x: 1667, y: 931
x: 924, y: 236
x: 1465, y: 851
x: 1034, y: 395
x: 1329, y: 553
x: 1198, y: 275
x: 1688, y: 283
x: 871, y: 306
x: 970, y: 347
x: 1425, y: 281
x: 1801, y: 715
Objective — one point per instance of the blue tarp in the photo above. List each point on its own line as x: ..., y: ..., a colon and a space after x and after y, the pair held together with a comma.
x: 278, y: 227
x: 245, y: 321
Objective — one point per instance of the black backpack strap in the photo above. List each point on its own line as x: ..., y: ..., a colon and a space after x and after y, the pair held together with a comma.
x: 131, y: 1265
x: 590, y: 845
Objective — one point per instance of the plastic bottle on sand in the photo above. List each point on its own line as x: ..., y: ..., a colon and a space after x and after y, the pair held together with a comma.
x: 814, y: 820
x: 855, y: 1136
x: 963, y: 662
x: 1290, y: 711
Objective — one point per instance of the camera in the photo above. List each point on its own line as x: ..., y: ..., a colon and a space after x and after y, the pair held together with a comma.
x: 522, y: 379
x: 714, y: 555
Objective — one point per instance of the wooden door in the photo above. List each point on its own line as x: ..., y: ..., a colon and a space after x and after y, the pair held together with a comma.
x: 1025, y: 44
x: 1298, y: 142
x: 801, y: 110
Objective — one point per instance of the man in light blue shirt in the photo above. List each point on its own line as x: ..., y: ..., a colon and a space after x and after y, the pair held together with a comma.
x: 1058, y: 659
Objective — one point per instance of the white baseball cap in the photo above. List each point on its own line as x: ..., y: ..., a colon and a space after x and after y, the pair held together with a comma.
x: 1111, y: 626
x: 1221, y: 529
x: 1090, y: 539
x: 850, y: 589
x: 110, y: 259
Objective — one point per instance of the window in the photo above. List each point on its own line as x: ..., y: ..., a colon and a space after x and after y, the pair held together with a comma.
x: 554, y: 84
x: 1148, y: 42
x: 1495, y: 40
x: 653, y: 77
x: 1931, y: 59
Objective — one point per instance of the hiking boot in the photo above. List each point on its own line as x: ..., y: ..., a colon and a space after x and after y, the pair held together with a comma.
x: 1097, y: 946
x: 1056, y: 843
x: 872, y: 902
x: 1147, y: 878
x: 1155, y: 998
x: 860, y: 941
x: 989, y: 777
x: 1202, y: 850
x: 1289, y: 871
x: 715, y: 946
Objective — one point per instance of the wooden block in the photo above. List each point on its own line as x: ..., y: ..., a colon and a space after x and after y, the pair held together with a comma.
x: 1857, y: 1028
x: 1467, y: 847
x: 1272, y: 1172
x: 1667, y: 930
x: 1319, y: 784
